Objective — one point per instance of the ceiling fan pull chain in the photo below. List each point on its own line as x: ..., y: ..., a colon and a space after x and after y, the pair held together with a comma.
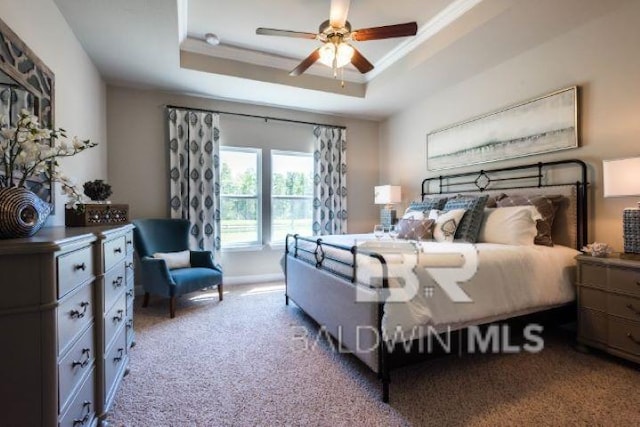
x: 342, y: 77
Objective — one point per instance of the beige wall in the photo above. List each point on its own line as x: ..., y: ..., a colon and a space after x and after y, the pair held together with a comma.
x: 601, y: 57
x: 138, y: 158
x: 80, y: 93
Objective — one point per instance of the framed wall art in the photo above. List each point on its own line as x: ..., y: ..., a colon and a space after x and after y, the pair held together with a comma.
x: 541, y: 125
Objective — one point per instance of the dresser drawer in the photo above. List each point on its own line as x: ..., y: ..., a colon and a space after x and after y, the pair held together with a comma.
x: 128, y: 241
x: 74, y: 313
x: 129, y: 266
x: 595, y: 299
x: 82, y: 409
x: 74, y: 365
x: 114, y: 319
x: 130, y: 296
x: 130, y: 332
x: 593, y: 275
x: 592, y: 325
x: 115, y: 361
x: 74, y: 269
x: 624, y: 335
x: 624, y: 306
x: 625, y: 280
x: 114, y: 285
x: 114, y: 252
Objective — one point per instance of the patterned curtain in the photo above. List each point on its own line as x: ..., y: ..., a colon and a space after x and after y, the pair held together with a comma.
x: 194, y: 177
x: 330, y: 181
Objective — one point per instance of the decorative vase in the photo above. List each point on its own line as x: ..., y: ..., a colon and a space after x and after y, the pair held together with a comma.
x: 22, y: 213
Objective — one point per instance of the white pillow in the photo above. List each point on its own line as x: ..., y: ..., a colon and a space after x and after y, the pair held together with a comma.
x: 447, y: 222
x: 513, y: 225
x: 419, y: 215
x: 175, y: 259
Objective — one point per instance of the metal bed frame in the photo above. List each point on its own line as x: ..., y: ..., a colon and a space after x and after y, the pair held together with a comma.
x: 530, y: 176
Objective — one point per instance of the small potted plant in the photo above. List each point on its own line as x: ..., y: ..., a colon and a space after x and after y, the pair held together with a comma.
x: 97, y: 190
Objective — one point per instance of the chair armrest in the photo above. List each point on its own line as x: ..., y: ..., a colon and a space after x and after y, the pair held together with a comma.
x: 155, y: 272
x: 204, y: 259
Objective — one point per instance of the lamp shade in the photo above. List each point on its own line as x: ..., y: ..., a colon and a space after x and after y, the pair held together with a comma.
x: 387, y: 194
x: 621, y: 177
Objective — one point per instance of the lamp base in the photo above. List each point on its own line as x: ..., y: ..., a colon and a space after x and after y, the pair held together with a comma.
x: 387, y: 217
x: 631, y: 230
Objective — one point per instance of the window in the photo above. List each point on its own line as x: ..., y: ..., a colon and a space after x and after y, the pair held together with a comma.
x: 240, y: 183
x: 291, y: 194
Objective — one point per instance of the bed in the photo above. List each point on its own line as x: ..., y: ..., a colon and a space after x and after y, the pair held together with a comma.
x: 381, y: 299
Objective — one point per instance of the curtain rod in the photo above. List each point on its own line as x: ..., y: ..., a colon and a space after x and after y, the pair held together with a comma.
x: 255, y: 116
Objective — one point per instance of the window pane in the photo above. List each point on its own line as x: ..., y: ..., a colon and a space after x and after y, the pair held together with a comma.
x: 292, y: 174
x: 291, y: 194
x: 240, y: 203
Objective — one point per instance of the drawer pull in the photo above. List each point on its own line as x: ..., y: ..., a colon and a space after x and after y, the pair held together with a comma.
x: 118, y: 358
x: 130, y: 323
x: 633, y: 309
x: 86, y: 410
x: 80, y: 314
x: 129, y: 265
x: 129, y: 242
x: 118, y: 282
x: 632, y: 338
x: 77, y: 267
x: 117, y: 250
x: 85, y: 362
x: 130, y: 293
x: 119, y: 317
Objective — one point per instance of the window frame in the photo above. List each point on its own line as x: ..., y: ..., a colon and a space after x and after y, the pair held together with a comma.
x: 275, y: 152
x: 249, y: 245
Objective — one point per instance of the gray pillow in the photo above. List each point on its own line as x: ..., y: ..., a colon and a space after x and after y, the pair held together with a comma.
x: 428, y: 204
x: 469, y: 227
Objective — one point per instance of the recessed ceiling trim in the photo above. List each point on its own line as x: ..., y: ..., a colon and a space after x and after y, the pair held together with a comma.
x: 443, y: 19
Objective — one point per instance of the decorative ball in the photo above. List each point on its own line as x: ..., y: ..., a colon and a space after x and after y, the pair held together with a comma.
x: 97, y: 190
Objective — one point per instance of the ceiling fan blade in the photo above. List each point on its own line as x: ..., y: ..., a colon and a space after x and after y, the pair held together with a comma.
x: 285, y: 33
x: 306, y: 63
x: 360, y: 62
x: 386, y: 32
x: 338, y: 13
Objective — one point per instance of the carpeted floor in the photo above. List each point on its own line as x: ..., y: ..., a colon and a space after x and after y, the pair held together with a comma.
x: 242, y: 362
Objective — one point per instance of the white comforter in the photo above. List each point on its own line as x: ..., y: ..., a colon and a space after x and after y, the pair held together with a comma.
x: 510, y: 280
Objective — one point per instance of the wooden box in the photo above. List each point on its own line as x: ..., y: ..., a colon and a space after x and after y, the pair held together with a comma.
x: 90, y: 214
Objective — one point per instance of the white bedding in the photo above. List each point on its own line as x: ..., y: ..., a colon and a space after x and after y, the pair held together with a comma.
x: 509, y: 280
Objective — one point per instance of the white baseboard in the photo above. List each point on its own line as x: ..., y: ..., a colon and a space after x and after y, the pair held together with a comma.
x: 258, y: 278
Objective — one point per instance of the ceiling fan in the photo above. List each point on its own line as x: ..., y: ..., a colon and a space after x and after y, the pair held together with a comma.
x: 335, y: 33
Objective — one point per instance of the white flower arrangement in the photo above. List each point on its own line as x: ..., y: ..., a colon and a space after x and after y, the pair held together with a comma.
x: 597, y: 249
x: 29, y: 150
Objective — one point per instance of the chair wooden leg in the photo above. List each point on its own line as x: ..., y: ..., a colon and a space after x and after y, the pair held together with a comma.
x: 145, y: 301
x: 220, y: 291
x: 172, y: 307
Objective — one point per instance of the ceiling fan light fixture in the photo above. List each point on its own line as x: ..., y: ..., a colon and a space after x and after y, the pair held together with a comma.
x: 342, y: 52
x: 212, y: 39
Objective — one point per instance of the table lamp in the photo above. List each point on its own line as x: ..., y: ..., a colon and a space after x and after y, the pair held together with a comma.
x: 621, y: 178
x: 387, y: 195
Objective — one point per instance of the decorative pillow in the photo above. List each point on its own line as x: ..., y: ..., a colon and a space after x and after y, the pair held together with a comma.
x: 427, y: 204
x: 447, y: 222
x: 415, y: 229
x: 514, y: 225
x: 546, y: 205
x: 470, y: 225
x: 175, y: 259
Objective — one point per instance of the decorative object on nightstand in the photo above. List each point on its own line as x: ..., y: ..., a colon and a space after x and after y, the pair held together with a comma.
x: 609, y: 304
x: 622, y: 179
x: 387, y: 195
x: 597, y: 249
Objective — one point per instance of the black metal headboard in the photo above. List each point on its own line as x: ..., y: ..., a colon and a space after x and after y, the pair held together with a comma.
x: 536, y: 175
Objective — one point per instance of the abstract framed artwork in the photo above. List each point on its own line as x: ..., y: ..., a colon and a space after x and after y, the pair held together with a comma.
x: 541, y: 125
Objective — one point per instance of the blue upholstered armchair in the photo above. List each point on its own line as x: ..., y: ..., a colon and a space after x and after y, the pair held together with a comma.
x: 170, y: 236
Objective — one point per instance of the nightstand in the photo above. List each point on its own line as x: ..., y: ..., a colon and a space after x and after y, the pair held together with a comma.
x: 609, y: 304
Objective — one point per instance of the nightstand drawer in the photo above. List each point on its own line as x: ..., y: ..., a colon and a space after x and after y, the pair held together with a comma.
x: 114, y: 251
x: 625, y: 280
x: 624, y: 335
x: 592, y: 325
x: 624, y: 306
x: 74, y: 269
x: 595, y: 299
x: 593, y: 275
